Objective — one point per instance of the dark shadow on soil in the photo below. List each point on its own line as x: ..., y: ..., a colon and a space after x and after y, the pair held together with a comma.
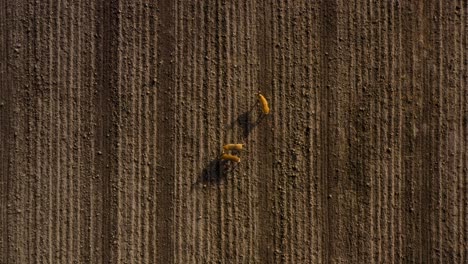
x: 215, y: 172
x: 248, y: 121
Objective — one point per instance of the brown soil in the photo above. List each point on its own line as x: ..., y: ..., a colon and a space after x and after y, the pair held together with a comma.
x: 113, y: 115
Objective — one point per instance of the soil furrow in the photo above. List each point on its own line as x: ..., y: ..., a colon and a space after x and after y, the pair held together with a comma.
x: 113, y: 115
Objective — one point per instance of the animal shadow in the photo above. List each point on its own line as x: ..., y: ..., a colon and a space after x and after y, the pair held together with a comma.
x: 248, y: 121
x: 215, y: 172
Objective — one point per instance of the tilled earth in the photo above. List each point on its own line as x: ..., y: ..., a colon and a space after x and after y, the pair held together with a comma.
x: 113, y: 115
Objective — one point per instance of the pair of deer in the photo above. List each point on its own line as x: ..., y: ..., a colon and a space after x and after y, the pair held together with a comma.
x: 239, y: 147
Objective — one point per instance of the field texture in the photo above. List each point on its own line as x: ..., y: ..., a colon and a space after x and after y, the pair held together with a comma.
x: 113, y: 115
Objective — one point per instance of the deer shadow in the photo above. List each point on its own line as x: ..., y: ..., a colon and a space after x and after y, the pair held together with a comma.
x: 215, y: 172
x: 248, y: 121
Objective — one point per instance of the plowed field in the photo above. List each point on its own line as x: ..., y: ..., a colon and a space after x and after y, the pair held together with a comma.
x: 113, y: 115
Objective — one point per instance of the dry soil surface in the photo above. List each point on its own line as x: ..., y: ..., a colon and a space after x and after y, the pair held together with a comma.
x: 113, y: 114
